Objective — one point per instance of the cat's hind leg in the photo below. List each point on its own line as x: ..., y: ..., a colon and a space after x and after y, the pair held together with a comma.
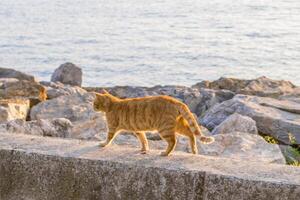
x: 192, y: 140
x: 183, y: 128
x: 143, y: 140
x: 170, y: 137
x: 193, y: 144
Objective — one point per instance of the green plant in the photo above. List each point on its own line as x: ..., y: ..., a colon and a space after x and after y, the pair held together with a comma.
x: 295, y: 152
x: 270, y: 139
x: 295, y: 163
x: 292, y: 138
x: 292, y: 156
x: 292, y: 153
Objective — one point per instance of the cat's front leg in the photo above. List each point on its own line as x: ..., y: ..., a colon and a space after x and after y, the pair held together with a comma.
x: 110, y: 137
x: 144, y: 142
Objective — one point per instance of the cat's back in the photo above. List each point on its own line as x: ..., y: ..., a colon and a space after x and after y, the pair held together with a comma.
x: 157, y: 104
x: 161, y: 99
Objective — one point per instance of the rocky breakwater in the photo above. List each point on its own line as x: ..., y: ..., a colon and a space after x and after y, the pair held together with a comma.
x: 236, y: 112
x: 63, y: 110
x: 18, y: 93
x: 277, y: 118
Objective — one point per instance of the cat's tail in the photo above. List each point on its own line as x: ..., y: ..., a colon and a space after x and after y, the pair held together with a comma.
x: 193, y: 124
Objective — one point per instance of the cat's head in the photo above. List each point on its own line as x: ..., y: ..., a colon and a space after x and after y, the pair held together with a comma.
x: 102, y: 101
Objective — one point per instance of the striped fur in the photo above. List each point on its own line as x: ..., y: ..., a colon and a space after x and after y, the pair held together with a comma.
x: 164, y: 114
x: 193, y: 124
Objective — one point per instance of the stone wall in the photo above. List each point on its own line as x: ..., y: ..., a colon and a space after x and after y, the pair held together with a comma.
x: 33, y: 167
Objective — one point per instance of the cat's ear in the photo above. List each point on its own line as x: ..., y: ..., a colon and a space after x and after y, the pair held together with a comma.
x: 104, y: 91
x: 97, y: 97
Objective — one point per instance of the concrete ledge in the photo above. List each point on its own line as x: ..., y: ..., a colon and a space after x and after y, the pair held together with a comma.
x: 34, y: 168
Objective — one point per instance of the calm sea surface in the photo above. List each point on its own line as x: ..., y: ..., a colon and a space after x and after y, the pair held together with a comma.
x: 149, y: 42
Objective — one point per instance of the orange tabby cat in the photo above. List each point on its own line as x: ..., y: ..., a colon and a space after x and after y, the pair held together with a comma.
x: 154, y: 113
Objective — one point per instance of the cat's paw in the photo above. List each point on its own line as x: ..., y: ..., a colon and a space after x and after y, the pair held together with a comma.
x: 164, y: 154
x: 195, y: 151
x: 103, y: 144
x: 144, y: 151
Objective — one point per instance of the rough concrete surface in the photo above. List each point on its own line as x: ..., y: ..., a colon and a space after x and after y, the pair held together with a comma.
x: 33, y: 167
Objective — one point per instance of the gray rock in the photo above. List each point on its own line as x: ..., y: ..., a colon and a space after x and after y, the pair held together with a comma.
x: 3, y: 81
x: 153, y: 136
x: 189, y: 96
x: 54, y: 127
x: 129, y: 91
x: 199, y: 101
x: 11, y: 73
x: 57, y: 127
x: 223, y: 83
x: 243, y: 146
x: 261, y: 86
x: 294, y: 96
x: 68, y: 73
x: 236, y: 123
x: 276, y: 118
x: 58, y: 89
x: 11, y: 109
x: 22, y: 88
x: 209, y: 98
x: 78, y: 109
x: 266, y: 87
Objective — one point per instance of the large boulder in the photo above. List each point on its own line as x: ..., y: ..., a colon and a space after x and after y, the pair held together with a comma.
x: 243, y: 146
x: 189, y: 96
x: 78, y: 109
x: 11, y: 88
x: 232, y: 84
x: 11, y: 73
x: 261, y: 86
x: 294, y: 96
x: 276, y: 118
x: 125, y: 91
x: 3, y: 81
x: 209, y: 98
x: 11, y: 109
x: 236, y: 123
x: 266, y: 87
x: 15, y: 84
x: 58, y: 89
x: 57, y: 127
x: 199, y: 101
x: 68, y: 73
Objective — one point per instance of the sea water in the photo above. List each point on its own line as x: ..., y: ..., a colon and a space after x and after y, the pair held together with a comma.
x: 150, y: 42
